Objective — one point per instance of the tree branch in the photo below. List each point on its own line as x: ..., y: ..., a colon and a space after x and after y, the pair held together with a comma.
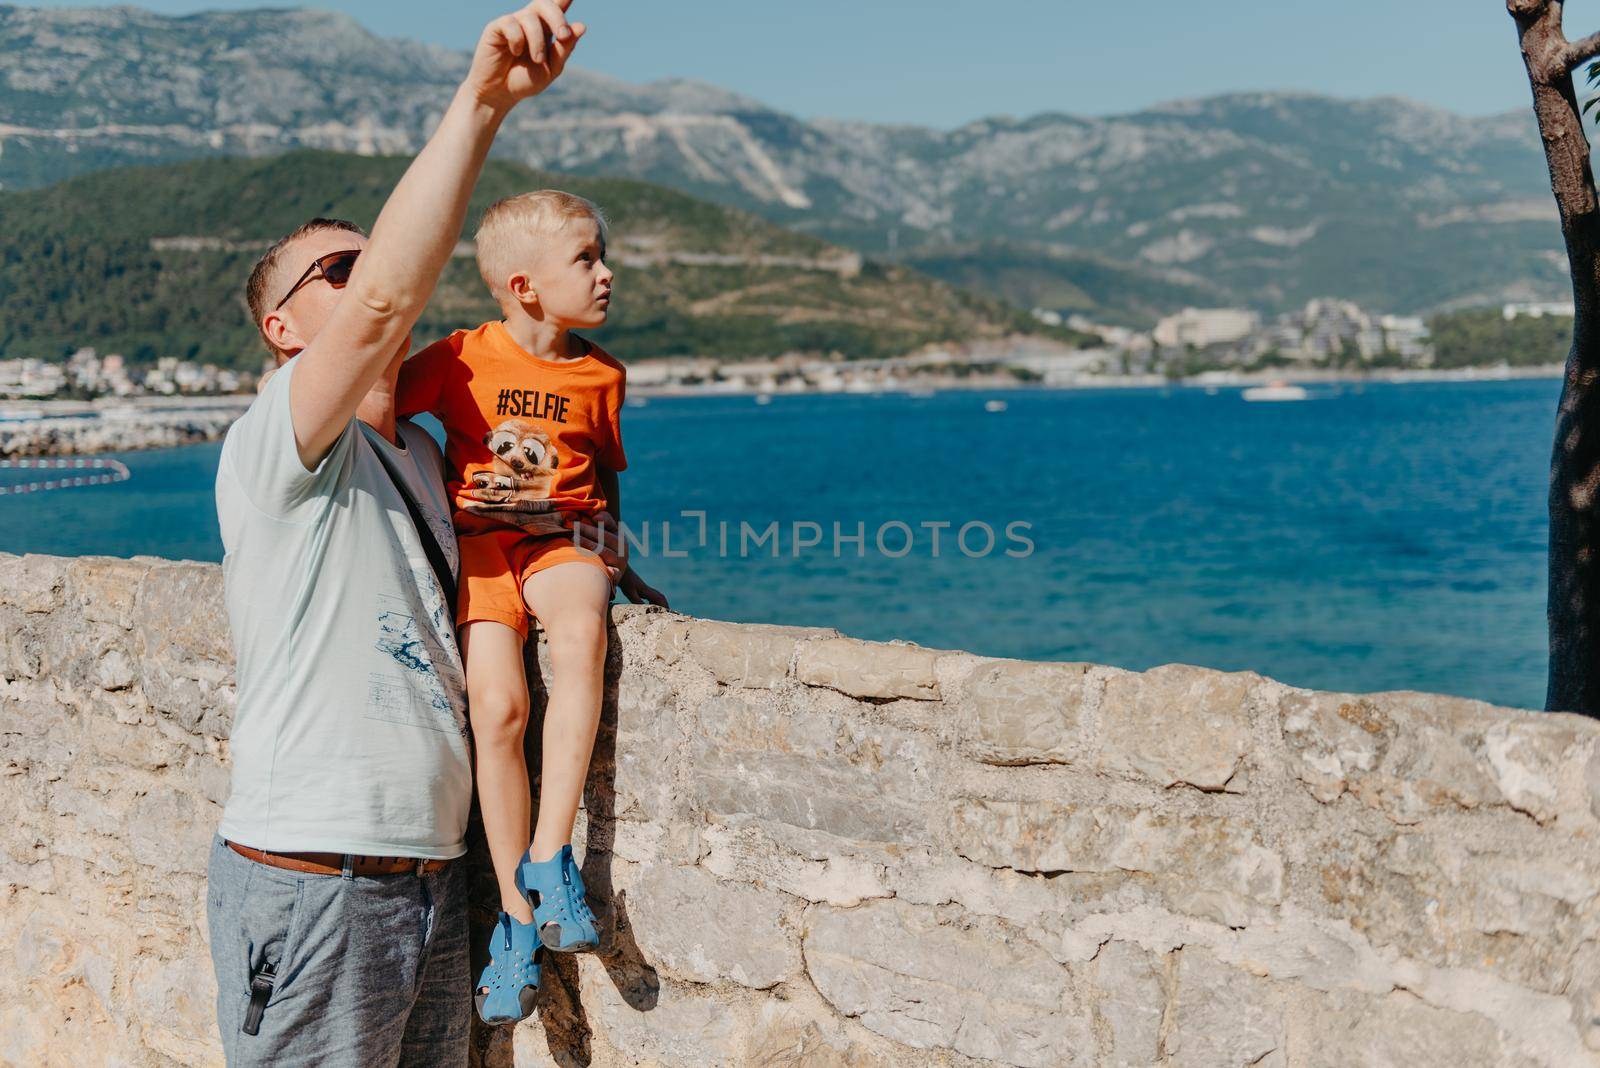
x: 1578, y: 51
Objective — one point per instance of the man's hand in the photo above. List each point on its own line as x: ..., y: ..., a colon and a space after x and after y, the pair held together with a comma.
x: 520, y: 54
x: 418, y: 228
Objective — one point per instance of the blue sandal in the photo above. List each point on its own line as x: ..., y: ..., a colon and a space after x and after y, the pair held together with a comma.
x: 554, y: 889
x: 506, y: 989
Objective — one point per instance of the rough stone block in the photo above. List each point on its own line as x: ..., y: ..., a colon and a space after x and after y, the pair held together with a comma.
x: 1210, y: 865
x: 131, y: 745
x: 182, y: 613
x: 104, y: 588
x: 1177, y: 724
x: 869, y: 669
x: 750, y: 855
x: 1345, y: 1028
x: 929, y: 985
x: 170, y: 831
x: 1020, y: 713
x: 842, y: 801
x: 1512, y: 912
x: 730, y: 722
x: 855, y: 779
x: 1129, y: 999
x: 658, y: 1021
x: 21, y: 650
x: 1224, y: 1016
x: 1531, y: 757
x: 1333, y: 740
x: 702, y: 929
x: 804, y: 1033
x: 635, y: 757
x: 735, y: 654
x: 33, y: 583
x: 1356, y: 743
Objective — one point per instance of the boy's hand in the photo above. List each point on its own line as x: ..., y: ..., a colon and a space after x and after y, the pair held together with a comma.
x: 520, y: 54
x: 601, y: 535
x: 639, y: 591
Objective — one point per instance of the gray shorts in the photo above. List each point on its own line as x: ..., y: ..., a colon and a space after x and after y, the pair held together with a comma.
x: 370, y: 970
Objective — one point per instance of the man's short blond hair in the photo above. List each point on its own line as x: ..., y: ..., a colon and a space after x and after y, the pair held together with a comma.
x: 510, y: 228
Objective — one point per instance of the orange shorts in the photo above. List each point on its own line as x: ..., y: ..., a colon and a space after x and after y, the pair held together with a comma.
x: 496, y: 564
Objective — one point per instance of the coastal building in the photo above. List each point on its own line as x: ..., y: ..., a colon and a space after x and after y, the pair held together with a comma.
x: 1407, y: 337
x: 1537, y: 309
x: 31, y: 378
x: 1202, y: 327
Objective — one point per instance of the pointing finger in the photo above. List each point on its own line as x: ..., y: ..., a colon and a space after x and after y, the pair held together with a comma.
x: 553, y: 17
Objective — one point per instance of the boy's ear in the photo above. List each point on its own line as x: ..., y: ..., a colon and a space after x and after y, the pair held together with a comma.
x: 521, y: 287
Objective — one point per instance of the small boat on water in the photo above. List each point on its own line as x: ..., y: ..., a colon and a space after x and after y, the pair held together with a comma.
x: 763, y: 398
x: 1276, y: 391
x: 994, y: 405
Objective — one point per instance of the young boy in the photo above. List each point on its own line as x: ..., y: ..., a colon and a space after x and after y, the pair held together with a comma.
x: 531, y: 416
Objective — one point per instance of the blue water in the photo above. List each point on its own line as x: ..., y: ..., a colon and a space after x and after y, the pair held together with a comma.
x: 1385, y: 537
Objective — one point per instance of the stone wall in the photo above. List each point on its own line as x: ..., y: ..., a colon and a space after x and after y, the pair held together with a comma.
x: 812, y: 850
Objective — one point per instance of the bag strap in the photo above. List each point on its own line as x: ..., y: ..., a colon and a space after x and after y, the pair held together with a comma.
x: 430, y: 544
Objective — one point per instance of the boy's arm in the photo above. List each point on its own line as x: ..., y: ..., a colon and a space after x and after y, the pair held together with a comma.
x: 630, y: 583
x: 421, y: 380
x: 611, y: 489
x: 418, y: 227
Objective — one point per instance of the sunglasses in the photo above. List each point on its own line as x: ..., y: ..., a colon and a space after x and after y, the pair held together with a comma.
x: 335, y: 268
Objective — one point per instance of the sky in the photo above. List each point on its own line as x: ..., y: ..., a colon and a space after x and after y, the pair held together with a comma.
x: 940, y: 63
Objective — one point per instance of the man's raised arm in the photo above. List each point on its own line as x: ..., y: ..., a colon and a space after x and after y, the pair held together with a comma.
x: 517, y: 56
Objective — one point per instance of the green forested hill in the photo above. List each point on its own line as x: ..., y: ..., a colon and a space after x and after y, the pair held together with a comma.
x: 151, y: 262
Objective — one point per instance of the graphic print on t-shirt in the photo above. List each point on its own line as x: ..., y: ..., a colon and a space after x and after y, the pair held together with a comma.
x: 414, y: 695
x: 517, y: 489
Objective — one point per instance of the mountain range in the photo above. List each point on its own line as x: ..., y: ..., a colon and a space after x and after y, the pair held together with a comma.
x: 1260, y: 199
x: 150, y: 261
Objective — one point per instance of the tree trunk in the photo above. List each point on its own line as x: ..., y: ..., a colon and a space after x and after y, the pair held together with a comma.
x: 1574, y: 571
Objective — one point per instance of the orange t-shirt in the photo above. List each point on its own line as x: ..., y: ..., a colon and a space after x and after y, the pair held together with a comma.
x: 523, y: 435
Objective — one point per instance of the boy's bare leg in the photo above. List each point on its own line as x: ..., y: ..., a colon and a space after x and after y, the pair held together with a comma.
x: 497, y: 701
x: 571, y: 602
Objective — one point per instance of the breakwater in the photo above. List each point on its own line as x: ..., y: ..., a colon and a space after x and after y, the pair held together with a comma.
x: 119, y: 430
x: 811, y: 850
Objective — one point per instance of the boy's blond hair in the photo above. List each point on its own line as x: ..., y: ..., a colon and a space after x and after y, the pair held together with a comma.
x: 509, y: 230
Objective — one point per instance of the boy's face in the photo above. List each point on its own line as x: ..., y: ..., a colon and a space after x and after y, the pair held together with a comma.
x: 568, y: 276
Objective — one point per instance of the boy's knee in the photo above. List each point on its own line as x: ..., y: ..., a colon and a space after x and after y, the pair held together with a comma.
x: 499, y: 714
x: 578, y: 636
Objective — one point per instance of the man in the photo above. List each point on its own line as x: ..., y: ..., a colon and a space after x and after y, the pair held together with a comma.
x: 337, y: 920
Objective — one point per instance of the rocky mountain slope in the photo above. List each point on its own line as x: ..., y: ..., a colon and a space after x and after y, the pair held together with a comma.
x: 1258, y: 198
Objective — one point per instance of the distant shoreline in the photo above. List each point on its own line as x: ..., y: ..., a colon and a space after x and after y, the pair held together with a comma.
x: 85, y: 428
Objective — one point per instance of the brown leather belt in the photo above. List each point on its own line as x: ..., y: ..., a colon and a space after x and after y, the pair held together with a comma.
x: 334, y: 863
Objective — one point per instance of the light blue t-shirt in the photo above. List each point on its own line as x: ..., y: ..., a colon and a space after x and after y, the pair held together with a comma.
x: 351, y: 733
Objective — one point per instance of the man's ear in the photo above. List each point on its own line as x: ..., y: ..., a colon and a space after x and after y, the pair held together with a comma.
x: 279, y: 334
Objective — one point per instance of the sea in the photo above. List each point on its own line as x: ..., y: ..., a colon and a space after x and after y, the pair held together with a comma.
x: 1370, y: 537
